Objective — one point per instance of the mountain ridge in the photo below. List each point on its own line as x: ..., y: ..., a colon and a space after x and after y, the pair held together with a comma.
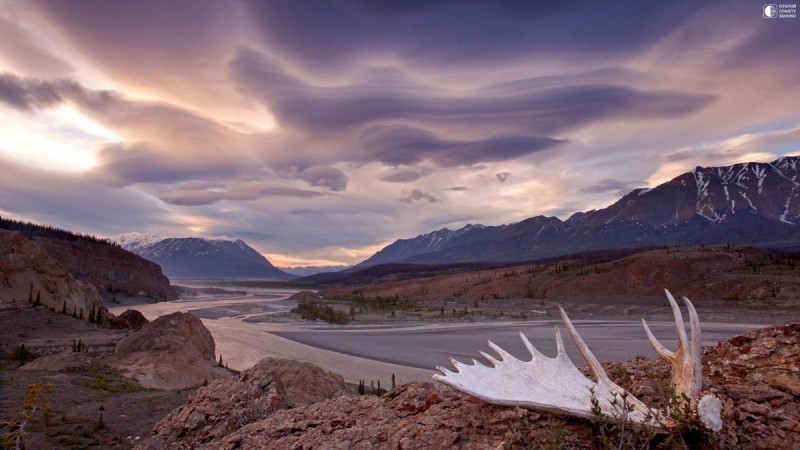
x: 745, y: 203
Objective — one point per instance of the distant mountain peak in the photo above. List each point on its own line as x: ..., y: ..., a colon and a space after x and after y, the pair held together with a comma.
x: 202, y: 258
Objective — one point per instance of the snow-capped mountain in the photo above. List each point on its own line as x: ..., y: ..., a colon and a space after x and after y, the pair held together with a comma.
x: 134, y: 241
x: 202, y: 258
x: 749, y: 203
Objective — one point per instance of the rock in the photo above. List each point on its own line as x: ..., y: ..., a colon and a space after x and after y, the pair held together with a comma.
x: 224, y: 406
x: 131, y: 318
x: 751, y: 375
x: 412, y: 416
x: 785, y: 383
x: 172, y: 352
x: 304, y: 383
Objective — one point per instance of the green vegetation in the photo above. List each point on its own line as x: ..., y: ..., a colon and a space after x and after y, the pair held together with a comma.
x: 371, y: 390
x: 313, y: 310
x: 22, y: 355
x: 620, y: 432
x: 110, y: 383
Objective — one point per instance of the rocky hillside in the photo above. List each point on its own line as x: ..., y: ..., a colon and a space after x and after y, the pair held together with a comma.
x: 223, y: 407
x: 29, y: 274
x: 737, y: 274
x: 756, y: 376
x: 108, y: 267
x: 749, y: 203
x: 175, y: 351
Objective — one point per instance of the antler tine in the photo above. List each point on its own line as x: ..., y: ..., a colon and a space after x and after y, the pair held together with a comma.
x: 594, y: 364
x: 686, y: 361
x: 694, y: 325
x: 535, y: 354
x: 680, y: 331
x: 694, y: 359
x: 660, y: 349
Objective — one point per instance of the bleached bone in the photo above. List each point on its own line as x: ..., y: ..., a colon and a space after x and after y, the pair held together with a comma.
x: 548, y: 384
x: 686, y: 362
x: 556, y: 385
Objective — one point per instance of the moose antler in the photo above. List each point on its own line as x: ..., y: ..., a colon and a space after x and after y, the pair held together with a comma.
x: 556, y: 385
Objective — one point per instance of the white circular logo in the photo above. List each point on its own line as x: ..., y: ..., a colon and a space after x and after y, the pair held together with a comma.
x: 770, y: 11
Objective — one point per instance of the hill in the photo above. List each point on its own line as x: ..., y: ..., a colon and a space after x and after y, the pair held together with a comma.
x: 108, y: 267
x: 737, y: 274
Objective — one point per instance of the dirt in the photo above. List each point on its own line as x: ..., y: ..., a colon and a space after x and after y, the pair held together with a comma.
x: 76, y: 406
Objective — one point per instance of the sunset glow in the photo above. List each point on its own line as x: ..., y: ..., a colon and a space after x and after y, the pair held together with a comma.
x: 321, y: 131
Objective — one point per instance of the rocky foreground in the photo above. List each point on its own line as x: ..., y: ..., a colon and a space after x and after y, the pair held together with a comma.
x: 284, y: 404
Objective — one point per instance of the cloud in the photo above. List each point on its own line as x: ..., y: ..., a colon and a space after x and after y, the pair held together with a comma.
x: 318, y: 176
x: 161, y: 142
x: 74, y: 201
x: 19, y: 48
x: 330, y: 36
x: 507, y: 106
x: 409, y: 146
x: 249, y: 190
x: 27, y: 94
x: 618, y: 187
x: 405, y: 175
x: 417, y: 195
x: 502, y: 176
x: 457, y: 188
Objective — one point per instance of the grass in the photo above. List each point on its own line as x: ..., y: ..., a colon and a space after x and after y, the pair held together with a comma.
x: 110, y: 383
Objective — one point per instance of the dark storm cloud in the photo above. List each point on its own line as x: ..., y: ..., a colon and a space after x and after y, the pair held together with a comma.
x: 405, y: 175
x: 26, y: 94
x: 620, y: 188
x: 506, y: 106
x: 409, y: 146
x: 318, y: 176
x: 329, y: 34
x: 249, y: 190
x: 417, y: 195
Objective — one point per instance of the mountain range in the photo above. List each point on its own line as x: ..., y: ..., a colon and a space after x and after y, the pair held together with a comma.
x: 202, y: 258
x: 748, y: 203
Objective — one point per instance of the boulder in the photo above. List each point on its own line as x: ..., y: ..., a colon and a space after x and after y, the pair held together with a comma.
x: 175, y: 351
x: 131, y: 318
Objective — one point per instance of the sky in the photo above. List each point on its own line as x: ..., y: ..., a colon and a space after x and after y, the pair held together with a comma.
x: 321, y: 131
